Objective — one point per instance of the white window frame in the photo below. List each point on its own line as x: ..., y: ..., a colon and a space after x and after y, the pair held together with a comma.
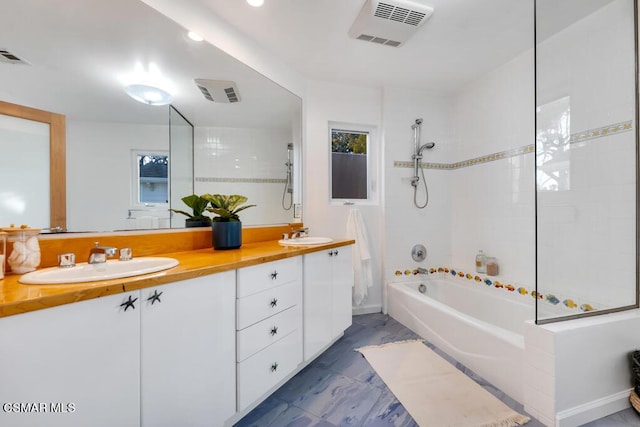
x: 135, y: 180
x: 373, y: 169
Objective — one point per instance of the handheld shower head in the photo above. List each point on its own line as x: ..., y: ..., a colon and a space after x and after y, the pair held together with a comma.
x: 428, y: 145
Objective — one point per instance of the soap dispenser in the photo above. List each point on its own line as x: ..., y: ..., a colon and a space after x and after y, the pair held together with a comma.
x: 481, y: 262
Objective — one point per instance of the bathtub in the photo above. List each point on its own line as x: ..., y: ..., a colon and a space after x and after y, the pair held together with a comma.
x: 479, y: 326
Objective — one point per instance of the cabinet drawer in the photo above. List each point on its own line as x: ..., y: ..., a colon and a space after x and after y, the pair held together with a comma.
x: 257, y: 307
x: 256, y: 337
x: 257, y: 278
x: 265, y: 369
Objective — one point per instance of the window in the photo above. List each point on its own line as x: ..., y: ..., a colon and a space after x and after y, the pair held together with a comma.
x: 352, y: 172
x: 150, y: 178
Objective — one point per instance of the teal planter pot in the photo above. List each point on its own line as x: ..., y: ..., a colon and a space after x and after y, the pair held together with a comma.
x: 227, y: 235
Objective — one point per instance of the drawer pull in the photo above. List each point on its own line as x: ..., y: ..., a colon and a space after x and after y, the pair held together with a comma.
x: 335, y: 252
x: 274, y: 302
x: 274, y: 367
x: 274, y: 275
x: 155, y: 297
x: 330, y: 253
x: 129, y: 303
x: 274, y: 331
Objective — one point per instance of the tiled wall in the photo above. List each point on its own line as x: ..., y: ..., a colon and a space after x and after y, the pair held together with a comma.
x: 250, y: 162
x: 586, y: 226
x: 406, y: 225
x: 480, y: 174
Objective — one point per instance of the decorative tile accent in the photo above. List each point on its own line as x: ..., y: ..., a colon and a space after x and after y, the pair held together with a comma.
x: 551, y: 299
x: 525, y: 149
x: 242, y: 180
x: 601, y: 132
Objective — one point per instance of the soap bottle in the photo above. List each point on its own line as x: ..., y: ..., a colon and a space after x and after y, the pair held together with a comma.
x: 492, y: 266
x: 481, y: 262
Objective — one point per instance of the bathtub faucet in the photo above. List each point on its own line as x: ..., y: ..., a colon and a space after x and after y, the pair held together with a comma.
x: 422, y: 270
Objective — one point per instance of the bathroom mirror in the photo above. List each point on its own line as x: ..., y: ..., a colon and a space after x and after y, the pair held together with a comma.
x: 75, y: 58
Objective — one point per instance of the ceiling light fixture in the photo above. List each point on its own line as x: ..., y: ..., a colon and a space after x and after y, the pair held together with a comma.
x: 148, y: 87
x: 195, y: 36
x: 148, y: 93
x: 255, y: 3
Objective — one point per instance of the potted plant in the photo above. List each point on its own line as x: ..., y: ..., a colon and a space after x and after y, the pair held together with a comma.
x: 198, y: 205
x: 226, y: 227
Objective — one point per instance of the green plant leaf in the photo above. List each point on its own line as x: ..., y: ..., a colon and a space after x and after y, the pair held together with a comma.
x: 226, y: 206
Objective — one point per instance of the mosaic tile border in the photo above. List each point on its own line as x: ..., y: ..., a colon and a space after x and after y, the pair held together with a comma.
x: 243, y: 180
x: 525, y: 149
x: 601, y: 132
x: 569, y: 303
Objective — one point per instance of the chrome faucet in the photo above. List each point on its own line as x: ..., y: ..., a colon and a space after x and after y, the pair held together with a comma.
x: 301, y: 232
x: 422, y: 270
x: 99, y: 254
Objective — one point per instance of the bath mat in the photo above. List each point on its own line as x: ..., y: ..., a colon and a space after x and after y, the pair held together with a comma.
x: 433, y: 391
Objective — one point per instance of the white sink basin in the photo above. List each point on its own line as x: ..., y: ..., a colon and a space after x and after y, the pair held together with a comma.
x: 305, y: 241
x: 112, y: 269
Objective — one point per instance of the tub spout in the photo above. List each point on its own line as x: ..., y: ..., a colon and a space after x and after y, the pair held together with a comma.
x: 422, y: 270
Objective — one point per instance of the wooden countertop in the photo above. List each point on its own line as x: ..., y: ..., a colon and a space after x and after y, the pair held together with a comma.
x: 16, y: 298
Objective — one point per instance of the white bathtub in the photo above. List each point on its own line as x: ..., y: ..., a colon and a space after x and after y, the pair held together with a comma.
x: 480, y: 326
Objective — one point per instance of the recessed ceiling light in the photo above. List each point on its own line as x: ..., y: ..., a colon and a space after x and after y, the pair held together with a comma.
x: 255, y: 3
x: 195, y: 36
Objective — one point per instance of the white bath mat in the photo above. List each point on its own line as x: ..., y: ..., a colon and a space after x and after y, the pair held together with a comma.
x: 433, y: 391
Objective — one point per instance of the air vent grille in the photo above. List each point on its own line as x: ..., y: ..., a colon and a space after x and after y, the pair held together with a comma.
x: 399, y: 14
x: 389, y: 22
x: 378, y: 40
x: 10, y: 58
x: 218, y: 90
x: 205, y: 92
x: 231, y: 94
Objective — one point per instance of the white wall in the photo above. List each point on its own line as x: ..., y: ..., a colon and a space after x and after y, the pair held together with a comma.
x: 324, y: 103
x: 102, y: 152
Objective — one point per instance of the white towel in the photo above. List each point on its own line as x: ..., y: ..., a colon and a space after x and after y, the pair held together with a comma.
x: 362, y: 268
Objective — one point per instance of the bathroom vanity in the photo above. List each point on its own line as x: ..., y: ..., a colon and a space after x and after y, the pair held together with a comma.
x: 200, y: 344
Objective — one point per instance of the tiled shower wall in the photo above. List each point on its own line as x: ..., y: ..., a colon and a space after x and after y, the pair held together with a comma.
x: 493, y: 201
x: 229, y: 161
x: 480, y: 174
x: 586, y: 226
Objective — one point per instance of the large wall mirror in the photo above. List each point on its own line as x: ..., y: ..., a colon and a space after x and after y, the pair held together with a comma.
x: 74, y: 58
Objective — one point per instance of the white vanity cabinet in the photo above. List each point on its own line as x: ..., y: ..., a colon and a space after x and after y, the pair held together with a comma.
x: 72, y: 365
x: 188, y: 352
x: 269, y: 326
x: 328, y: 283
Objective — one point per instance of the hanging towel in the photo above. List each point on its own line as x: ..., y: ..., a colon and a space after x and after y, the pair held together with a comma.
x: 362, y: 268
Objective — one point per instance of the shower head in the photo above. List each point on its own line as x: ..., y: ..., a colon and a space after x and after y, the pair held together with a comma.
x: 417, y: 123
x: 428, y: 145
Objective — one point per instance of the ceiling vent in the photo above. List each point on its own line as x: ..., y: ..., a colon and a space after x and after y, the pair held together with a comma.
x: 10, y: 58
x: 218, y: 90
x: 389, y: 23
